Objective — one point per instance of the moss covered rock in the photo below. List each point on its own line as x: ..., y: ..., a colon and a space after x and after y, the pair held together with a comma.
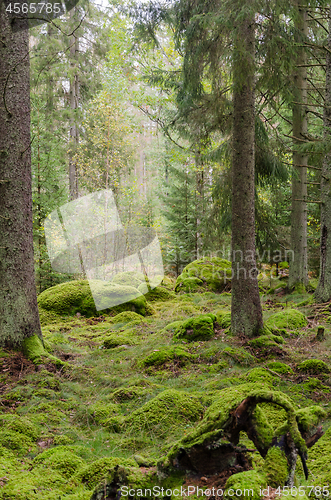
x: 199, y: 328
x: 223, y: 318
x: 260, y: 375
x: 75, y: 296
x: 190, y: 285
x: 133, y: 391
x: 240, y: 356
x: 244, y: 484
x: 279, y: 367
x: 291, y: 319
x: 177, y: 354
x: 313, y: 366
x: 215, y: 273
x: 126, y: 317
x: 101, y: 411
x: 266, y: 341
x: 92, y: 474
x: 118, y: 339
x: 168, y: 409
x: 129, y: 278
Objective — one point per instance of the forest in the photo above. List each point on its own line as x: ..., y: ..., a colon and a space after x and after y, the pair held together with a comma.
x: 165, y: 264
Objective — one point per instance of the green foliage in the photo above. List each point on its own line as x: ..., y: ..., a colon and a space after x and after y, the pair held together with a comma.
x: 178, y: 355
x: 313, y: 366
x: 199, y: 328
x: 167, y: 409
x: 288, y: 318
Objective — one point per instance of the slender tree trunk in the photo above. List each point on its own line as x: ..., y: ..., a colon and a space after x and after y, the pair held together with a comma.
x: 246, y: 311
x: 323, y: 291
x: 199, y: 180
x: 298, y: 263
x: 74, y: 101
x: 19, y: 317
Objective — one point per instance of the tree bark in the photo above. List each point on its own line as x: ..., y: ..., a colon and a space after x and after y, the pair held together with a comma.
x: 19, y: 317
x: 298, y: 263
x: 246, y: 311
x: 323, y: 291
x: 74, y: 101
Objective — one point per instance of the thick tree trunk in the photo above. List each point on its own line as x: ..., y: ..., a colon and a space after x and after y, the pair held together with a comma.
x: 19, y: 317
x: 323, y: 291
x: 246, y: 311
x: 74, y: 101
x: 298, y: 263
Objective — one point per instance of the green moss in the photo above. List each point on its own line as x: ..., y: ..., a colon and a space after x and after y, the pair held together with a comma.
x: 199, y: 328
x: 101, y: 411
x: 61, y: 459
x: 177, y: 354
x: 220, y: 414
x: 218, y: 367
x: 299, y: 288
x: 313, y: 384
x: 276, y: 467
x: 310, y: 417
x: 223, y: 318
x: 34, y: 350
x: 189, y: 285
x: 92, y: 474
x: 126, y: 317
x: 275, y: 414
x: 313, y: 366
x: 62, y: 439
x: 259, y: 375
x: 239, y: 356
x: 279, y: 367
x: 266, y: 341
x: 289, y: 318
x: 131, y: 392
x: 75, y: 296
x: 16, y: 441
x: 48, y: 317
x: 167, y: 409
x: 245, y: 485
x: 20, y: 424
x: 116, y: 340
x: 319, y: 459
x: 157, y: 293
x: 215, y: 273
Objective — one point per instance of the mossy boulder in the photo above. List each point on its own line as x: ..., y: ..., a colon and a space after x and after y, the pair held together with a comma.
x: 313, y: 366
x: 245, y: 484
x: 190, y: 285
x: 76, y: 297
x: 279, y: 367
x: 215, y: 273
x: 291, y: 319
x: 260, y: 375
x: 176, y: 354
x: 16, y: 441
x: 266, y: 341
x: 126, y: 317
x: 64, y: 461
x: 92, y: 474
x: 198, y: 328
x: 168, y: 409
x: 240, y: 356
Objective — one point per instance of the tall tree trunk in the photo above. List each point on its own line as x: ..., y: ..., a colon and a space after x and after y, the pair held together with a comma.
x: 323, y: 291
x: 199, y: 196
x: 74, y: 101
x: 246, y: 311
x: 298, y: 263
x: 19, y: 317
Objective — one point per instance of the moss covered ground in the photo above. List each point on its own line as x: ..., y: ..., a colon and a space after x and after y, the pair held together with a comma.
x: 131, y: 385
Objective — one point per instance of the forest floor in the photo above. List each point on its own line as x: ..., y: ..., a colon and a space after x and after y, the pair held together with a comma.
x: 62, y: 428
